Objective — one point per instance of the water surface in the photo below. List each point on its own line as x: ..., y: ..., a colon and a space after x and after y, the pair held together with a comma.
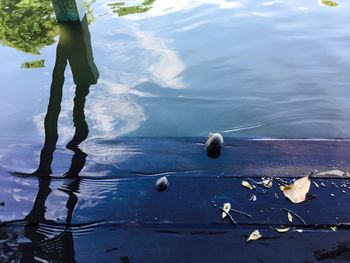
x: 277, y: 69
x: 245, y: 68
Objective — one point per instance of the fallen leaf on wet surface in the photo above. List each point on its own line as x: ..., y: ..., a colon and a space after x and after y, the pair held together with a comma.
x: 226, y: 208
x: 282, y: 230
x: 290, y: 217
x: 297, y: 191
x: 334, y: 228
x: 248, y: 185
x: 255, y: 235
x: 267, y: 183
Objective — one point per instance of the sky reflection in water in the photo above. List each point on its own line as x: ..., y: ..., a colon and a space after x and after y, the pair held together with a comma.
x: 185, y: 68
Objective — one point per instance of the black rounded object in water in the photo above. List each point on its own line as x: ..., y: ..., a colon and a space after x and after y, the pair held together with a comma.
x: 214, y: 145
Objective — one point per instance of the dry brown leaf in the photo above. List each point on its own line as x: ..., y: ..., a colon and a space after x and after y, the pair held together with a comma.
x: 255, y: 235
x: 290, y: 217
x: 248, y: 185
x: 297, y: 191
x: 226, y: 208
x: 282, y: 230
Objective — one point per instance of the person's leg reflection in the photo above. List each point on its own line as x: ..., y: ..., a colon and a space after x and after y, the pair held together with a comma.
x: 80, y: 124
x: 34, y: 218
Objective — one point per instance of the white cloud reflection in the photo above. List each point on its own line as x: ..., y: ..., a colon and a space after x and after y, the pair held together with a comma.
x: 112, y: 109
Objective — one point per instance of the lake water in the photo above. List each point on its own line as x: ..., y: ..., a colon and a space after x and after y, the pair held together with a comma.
x: 275, y: 69
x: 184, y: 68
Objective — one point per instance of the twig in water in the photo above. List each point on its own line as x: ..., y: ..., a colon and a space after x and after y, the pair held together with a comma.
x: 242, y: 213
x: 231, y: 218
x: 282, y: 182
x: 256, y: 186
x: 296, y: 215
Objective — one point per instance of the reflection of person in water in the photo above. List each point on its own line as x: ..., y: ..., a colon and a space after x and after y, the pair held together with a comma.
x: 74, y: 46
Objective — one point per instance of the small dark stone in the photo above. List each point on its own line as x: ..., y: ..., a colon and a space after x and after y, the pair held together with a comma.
x: 2, y: 203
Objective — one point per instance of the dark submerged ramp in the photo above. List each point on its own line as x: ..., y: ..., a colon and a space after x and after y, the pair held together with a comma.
x: 113, y: 213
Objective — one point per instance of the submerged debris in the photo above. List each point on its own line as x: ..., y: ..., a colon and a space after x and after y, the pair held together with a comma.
x: 240, y: 212
x: 229, y: 216
x: 282, y: 230
x: 214, y: 145
x: 267, y: 183
x: 247, y: 185
x: 295, y: 214
x: 162, y: 184
x: 334, y: 184
x: 253, y: 198
x: 226, y: 208
x: 297, y: 191
x: 2, y: 203
x: 337, y: 173
x: 255, y: 235
x: 226, y: 212
x: 315, y: 184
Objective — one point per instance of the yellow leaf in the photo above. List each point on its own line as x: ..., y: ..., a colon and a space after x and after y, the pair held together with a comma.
x: 267, y: 183
x: 290, y: 217
x: 297, y: 191
x: 255, y: 235
x: 226, y: 208
x: 248, y: 185
x: 334, y: 228
x: 282, y: 230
